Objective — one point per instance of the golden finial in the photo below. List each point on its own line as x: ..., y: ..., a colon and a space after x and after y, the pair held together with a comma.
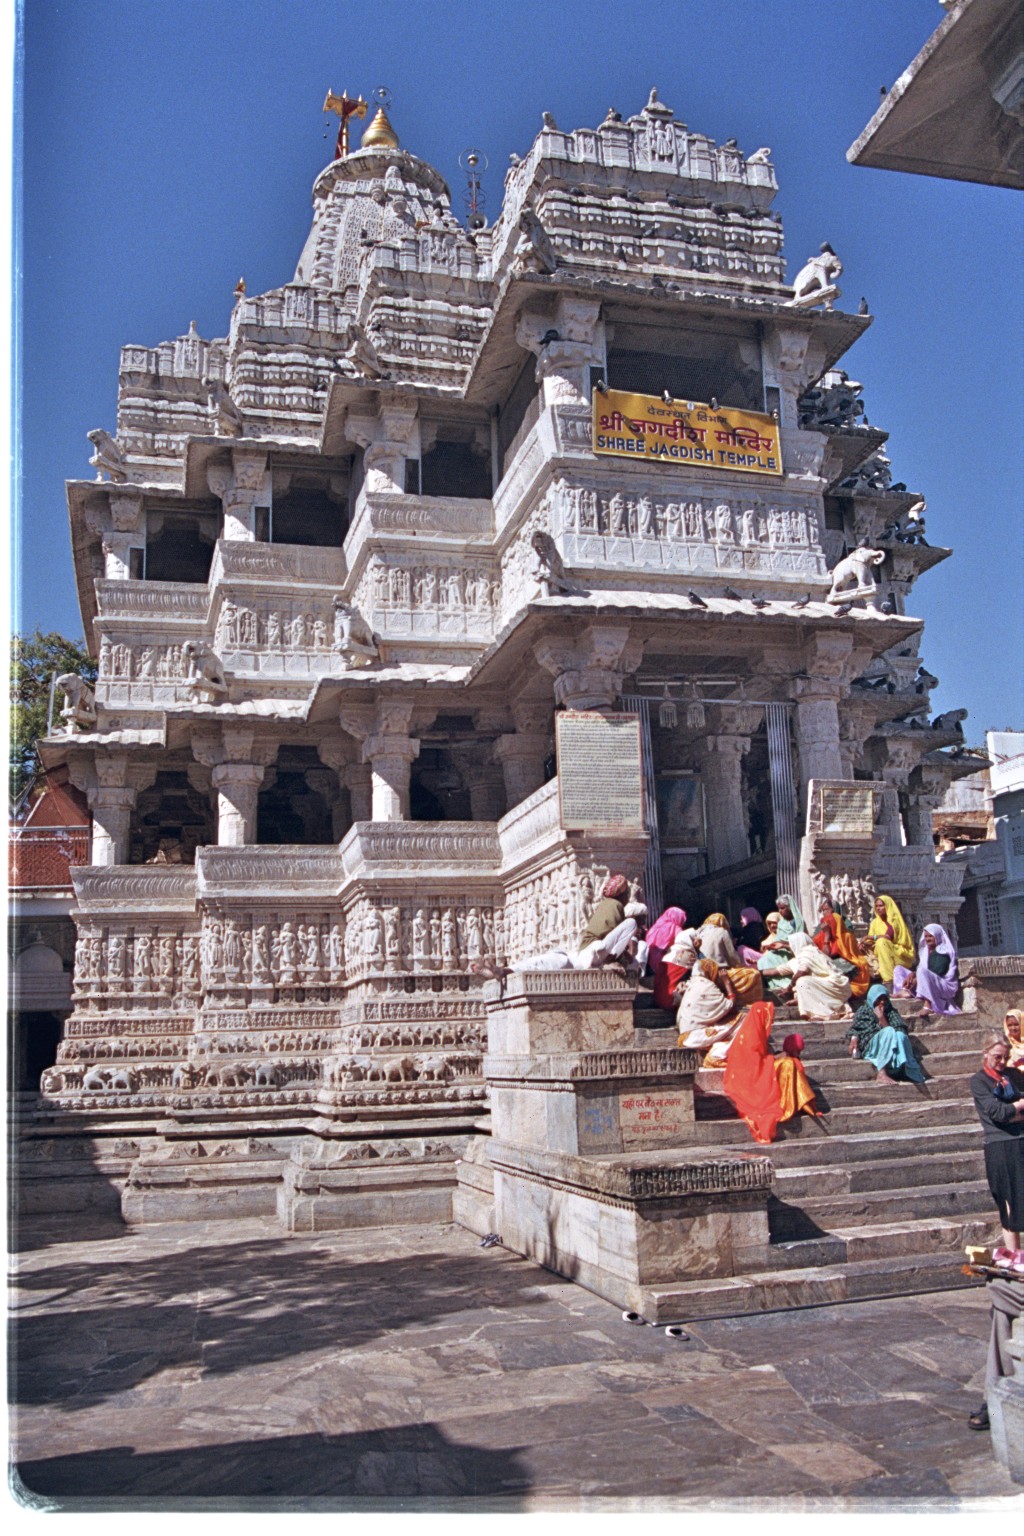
x: 344, y: 107
x: 240, y: 288
x: 380, y: 134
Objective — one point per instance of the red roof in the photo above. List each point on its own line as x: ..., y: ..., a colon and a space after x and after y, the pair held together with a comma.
x: 50, y: 835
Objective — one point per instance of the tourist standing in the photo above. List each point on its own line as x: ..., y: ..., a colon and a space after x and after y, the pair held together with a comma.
x: 998, y: 1092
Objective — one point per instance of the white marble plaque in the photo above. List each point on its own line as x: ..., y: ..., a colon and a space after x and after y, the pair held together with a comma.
x: 600, y: 776
x: 846, y: 809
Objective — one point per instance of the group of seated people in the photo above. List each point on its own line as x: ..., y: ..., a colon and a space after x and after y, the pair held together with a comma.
x: 724, y: 989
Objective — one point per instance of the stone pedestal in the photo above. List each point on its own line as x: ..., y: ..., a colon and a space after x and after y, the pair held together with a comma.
x: 593, y: 1175
x: 1006, y: 1410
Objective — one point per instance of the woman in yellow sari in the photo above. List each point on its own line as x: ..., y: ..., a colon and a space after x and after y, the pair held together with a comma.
x: 890, y: 938
x: 716, y: 944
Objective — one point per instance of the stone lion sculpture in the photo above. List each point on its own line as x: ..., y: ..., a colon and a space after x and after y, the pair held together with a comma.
x: 204, y: 674
x: 853, y: 579
x: 534, y: 251
x: 815, y: 282
x: 108, y: 459
x: 79, y: 712
x: 545, y: 567
x: 353, y: 637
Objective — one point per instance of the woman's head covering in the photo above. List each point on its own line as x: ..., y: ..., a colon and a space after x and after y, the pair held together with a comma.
x: 798, y: 940
x: 683, y: 950
x: 716, y: 920
x: 634, y: 909
x: 943, y: 942
x: 616, y: 886
x: 773, y: 917
x: 663, y: 931
x: 750, y: 915
x: 707, y: 968
x: 875, y: 992
x: 793, y: 1045
x: 798, y: 917
x: 894, y: 917
x: 750, y: 1079
x: 1016, y: 1046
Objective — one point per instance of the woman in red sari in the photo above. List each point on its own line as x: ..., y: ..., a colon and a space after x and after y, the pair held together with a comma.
x: 836, y: 941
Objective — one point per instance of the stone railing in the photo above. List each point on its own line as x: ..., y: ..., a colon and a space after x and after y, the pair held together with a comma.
x: 283, y: 870
x: 241, y: 561
x: 458, y: 848
x: 134, y: 888
x: 164, y: 602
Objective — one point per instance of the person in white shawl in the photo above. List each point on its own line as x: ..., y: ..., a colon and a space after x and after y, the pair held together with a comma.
x: 708, y: 1010
x: 822, y: 991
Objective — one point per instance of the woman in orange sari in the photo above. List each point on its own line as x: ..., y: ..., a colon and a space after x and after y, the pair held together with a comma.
x: 795, y: 1091
x: 836, y: 941
x: 766, y: 1089
x: 750, y: 1080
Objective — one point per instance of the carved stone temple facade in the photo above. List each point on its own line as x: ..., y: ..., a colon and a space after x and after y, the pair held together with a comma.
x: 341, y: 567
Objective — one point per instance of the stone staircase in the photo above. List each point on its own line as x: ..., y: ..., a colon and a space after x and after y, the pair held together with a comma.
x: 878, y: 1198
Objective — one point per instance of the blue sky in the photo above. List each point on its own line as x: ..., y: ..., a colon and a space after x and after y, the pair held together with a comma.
x: 170, y: 147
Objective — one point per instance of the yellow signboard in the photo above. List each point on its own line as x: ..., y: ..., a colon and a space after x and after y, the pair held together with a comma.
x: 645, y: 427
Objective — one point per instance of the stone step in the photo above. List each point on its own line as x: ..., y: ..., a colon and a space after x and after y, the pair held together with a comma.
x: 955, y: 1045
x: 904, y: 1107
x: 812, y: 1216
x: 819, y: 1285
x: 889, y: 1240
x: 887, y: 1146
x: 832, y: 1097
x: 815, y: 1181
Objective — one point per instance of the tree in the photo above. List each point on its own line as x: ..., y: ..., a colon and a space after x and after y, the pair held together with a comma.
x: 34, y: 660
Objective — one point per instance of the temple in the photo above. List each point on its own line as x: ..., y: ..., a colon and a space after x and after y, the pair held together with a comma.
x: 344, y: 566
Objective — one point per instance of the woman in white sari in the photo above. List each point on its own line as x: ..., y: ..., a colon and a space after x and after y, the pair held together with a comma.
x: 708, y: 1007
x: 822, y: 991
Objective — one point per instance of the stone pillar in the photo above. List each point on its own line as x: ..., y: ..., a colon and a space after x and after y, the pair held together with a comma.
x: 565, y: 359
x: 238, y: 761
x: 390, y: 757
x: 924, y: 800
x: 239, y: 488
x: 388, y: 440
x: 117, y: 556
x: 522, y: 755
x: 817, y: 732
x: 357, y: 781
x: 723, y: 789
x: 111, y: 823
x: 237, y: 786
x: 483, y: 778
x: 829, y: 662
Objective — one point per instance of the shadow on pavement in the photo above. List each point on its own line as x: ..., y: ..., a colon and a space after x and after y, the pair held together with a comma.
x: 121, y: 1322
x: 382, y: 1468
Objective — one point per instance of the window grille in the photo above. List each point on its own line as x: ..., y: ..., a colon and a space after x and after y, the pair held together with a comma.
x: 993, y: 921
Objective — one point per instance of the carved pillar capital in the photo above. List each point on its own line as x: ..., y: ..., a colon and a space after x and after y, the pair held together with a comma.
x: 589, y: 672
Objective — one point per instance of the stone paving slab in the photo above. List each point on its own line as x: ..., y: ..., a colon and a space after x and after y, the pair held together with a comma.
x: 228, y: 1366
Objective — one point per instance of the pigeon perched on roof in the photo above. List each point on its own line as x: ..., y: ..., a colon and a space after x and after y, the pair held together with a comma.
x: 697, y: 601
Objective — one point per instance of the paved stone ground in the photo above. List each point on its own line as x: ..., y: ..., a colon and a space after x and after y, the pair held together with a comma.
x: 228, y: 1366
